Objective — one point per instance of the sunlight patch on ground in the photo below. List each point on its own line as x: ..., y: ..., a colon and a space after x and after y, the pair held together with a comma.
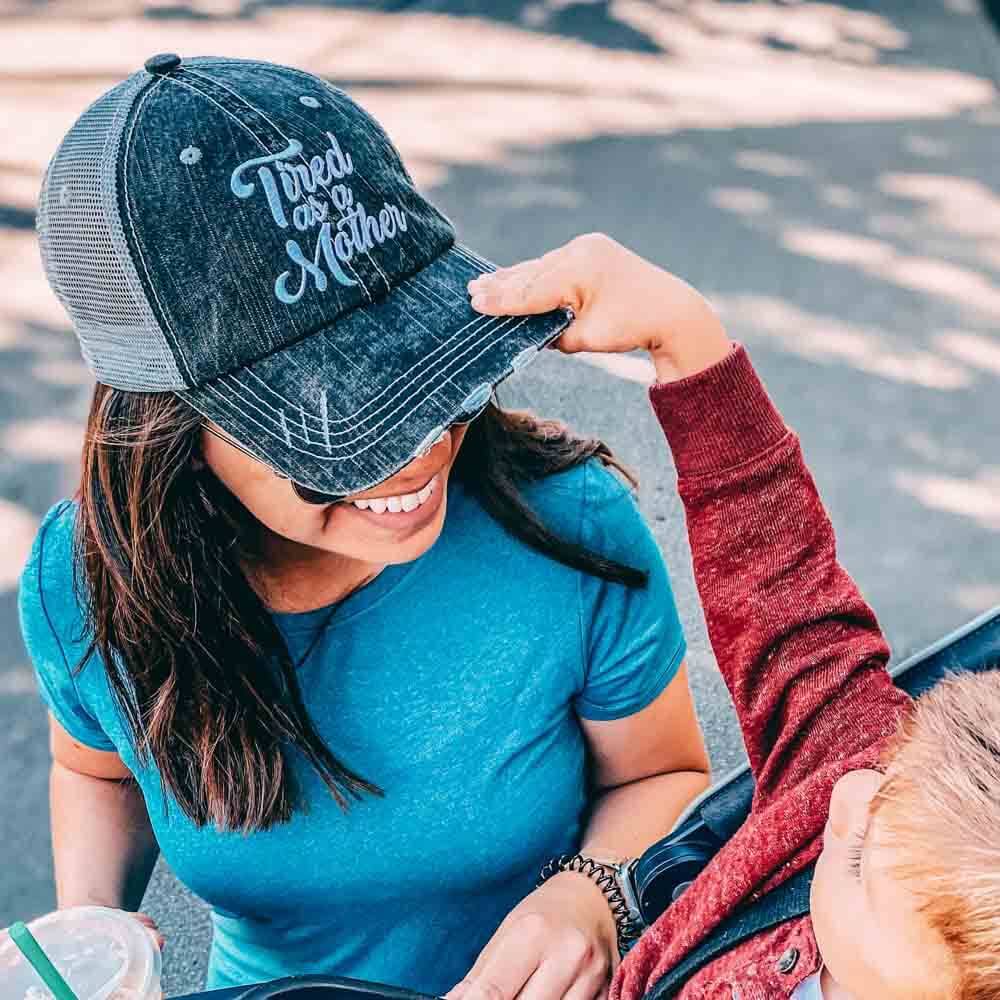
x: 17, y: 681
x: 17, y: 529
x: 978, y: 498
x: 631, y: 367
x: 972, y: 348
x: 743, y: 201
x: 978, y: 599
x: 66, y: 373
x: 927, y: 275
x: 811, y: 27
x: 827, y: 340
x: 43, y: 440
x: 954, y: 204
x: 774, y: 164
x: 924, y: 145
x: 839, y: 196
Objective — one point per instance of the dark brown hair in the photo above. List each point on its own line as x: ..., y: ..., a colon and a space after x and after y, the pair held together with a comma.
x: 194, y: 660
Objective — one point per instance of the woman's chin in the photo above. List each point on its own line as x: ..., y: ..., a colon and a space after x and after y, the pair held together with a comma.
x: 385, y: 536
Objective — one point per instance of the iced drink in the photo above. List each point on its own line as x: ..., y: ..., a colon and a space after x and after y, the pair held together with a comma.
x: 102, y: 954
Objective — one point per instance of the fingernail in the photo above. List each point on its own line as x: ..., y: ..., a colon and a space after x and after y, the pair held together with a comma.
x: 478, y: 301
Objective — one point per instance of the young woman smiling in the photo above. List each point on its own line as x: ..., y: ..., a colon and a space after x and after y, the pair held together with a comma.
x: 357, y: 650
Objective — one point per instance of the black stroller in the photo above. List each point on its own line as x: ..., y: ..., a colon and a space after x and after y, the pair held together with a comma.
x: 670, y: 865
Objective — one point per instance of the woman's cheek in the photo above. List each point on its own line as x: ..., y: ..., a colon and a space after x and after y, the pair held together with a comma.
x: 287, y: 516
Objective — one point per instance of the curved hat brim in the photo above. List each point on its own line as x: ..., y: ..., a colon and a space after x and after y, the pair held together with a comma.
x: 345, y: 408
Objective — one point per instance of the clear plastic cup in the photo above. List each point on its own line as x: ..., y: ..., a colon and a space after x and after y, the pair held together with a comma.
x: 102, y: 954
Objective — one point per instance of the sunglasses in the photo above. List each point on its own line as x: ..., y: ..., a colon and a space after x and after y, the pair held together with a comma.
x: 316, y: 497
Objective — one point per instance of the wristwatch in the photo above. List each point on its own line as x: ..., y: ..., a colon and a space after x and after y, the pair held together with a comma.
x: 613, y: 877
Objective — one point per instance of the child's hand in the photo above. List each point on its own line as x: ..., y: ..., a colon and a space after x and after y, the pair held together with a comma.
x: 622, y: 303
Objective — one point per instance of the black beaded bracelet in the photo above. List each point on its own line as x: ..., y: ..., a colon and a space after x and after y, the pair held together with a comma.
x: 606, y: 879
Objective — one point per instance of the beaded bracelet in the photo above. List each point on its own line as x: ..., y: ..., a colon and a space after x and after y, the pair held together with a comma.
x: 606, y: 877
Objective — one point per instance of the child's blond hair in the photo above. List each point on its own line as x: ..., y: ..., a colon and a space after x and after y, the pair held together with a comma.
x: 940, y: 809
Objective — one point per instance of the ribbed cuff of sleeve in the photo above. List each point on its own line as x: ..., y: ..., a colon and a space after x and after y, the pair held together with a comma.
x: 719, y: 418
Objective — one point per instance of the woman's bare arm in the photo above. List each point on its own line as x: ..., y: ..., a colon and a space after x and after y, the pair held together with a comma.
x: 647, y: 768
x: 102, y: 842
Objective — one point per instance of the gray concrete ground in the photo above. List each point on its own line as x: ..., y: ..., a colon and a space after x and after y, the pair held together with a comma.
x: 826, y: 172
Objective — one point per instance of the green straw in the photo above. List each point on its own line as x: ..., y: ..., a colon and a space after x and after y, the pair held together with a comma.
x: 40, y: 962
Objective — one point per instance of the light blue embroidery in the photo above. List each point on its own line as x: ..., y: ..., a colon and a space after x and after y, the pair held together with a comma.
x: 324, y: 417
x: 308, y: 189
x: 190, y: 155
x: 477, y: 398
x: 64, y: 196
x: 243, y: 189
x: 429, y: 439
x: 524, y: 359
x: 309, y: 102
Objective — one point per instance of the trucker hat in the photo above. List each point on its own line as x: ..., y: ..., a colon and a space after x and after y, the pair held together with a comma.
x: 245, y: 235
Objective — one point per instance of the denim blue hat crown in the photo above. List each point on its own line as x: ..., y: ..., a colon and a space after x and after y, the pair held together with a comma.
x: 247, y: 236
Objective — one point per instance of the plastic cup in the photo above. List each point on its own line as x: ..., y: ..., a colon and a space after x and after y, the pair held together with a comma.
x: 102, y: 954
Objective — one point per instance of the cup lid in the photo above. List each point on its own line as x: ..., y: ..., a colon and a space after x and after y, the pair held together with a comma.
x: 103, y: 954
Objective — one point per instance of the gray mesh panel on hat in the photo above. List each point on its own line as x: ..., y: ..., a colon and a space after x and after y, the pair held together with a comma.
x: 86, y: 256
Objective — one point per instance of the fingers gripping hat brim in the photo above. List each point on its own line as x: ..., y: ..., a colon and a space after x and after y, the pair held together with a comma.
x: 287, y: 409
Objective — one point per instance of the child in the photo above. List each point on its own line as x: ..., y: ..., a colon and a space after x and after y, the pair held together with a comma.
x: 897, y: 802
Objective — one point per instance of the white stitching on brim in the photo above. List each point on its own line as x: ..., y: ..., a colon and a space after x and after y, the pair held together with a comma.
x: 233, y: 402
x: 442, y: 374
x: 492, y: 324
x: 484, y: 322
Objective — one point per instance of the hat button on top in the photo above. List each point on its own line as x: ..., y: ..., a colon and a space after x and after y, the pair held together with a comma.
x: 789, y: 959
x: 160, y: 65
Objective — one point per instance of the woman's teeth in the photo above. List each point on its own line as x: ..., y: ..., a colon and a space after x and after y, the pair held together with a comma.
x: 405, y: 502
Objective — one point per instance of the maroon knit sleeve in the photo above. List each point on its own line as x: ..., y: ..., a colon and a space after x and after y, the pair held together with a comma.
x: 800, y: 650
x: 798, y: 647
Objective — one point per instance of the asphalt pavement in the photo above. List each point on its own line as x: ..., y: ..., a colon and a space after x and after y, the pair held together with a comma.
x: 826, y: 173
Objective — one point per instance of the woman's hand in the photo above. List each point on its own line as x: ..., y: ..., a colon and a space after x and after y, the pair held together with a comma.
x: 150, y: 924
x: 622, y: 303
x: 558, y: 942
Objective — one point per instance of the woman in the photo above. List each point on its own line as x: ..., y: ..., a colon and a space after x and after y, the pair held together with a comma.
x: 356, y: 649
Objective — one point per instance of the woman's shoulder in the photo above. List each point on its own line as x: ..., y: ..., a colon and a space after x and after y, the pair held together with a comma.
x: 585, y: 498
x: 588, y: 482
x: 47, y: 580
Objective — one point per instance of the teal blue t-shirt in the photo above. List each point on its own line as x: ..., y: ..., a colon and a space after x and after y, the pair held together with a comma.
x: 456, y: 683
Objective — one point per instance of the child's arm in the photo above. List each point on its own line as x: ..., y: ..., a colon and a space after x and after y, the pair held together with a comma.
x: 800, y: 650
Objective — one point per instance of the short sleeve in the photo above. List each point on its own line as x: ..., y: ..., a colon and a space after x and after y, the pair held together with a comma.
x: 45, y: 603
x: 632, y: 638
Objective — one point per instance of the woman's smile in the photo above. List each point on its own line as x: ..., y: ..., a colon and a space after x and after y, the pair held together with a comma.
x: 408, y: 503
x: 401, y: 511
